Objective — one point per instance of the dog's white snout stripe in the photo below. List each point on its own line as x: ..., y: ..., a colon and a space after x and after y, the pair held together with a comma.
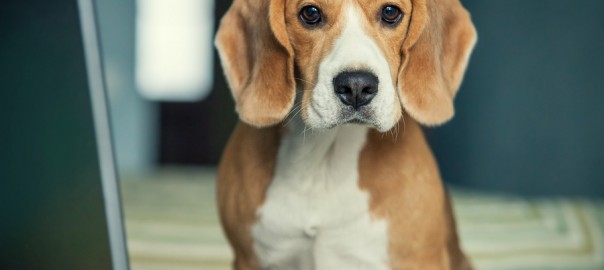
x: 354, y: 50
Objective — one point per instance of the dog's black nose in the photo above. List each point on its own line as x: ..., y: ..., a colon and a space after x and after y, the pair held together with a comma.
x: 356, y: 88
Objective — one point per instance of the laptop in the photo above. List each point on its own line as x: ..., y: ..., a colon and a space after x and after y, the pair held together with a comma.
x: 59, y: 195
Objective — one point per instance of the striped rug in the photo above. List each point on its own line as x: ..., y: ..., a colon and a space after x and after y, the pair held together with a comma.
x: 172, y: 224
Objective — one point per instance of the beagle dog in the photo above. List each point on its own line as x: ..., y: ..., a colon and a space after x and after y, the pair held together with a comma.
x: 328, y: 167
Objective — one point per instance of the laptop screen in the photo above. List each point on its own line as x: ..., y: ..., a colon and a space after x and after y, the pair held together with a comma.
x: 59, y: 198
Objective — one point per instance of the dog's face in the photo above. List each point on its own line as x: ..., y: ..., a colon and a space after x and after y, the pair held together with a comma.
x: 360, y: 61
x: 348, y: 55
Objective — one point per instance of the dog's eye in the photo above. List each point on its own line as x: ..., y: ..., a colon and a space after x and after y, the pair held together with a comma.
x: 391, y: 15
x: 310, y: 15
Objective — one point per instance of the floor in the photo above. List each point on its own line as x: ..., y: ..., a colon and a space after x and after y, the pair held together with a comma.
x: 171, y: 223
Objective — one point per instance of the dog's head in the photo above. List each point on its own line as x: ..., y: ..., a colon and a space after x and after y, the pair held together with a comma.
x: 348, y: 60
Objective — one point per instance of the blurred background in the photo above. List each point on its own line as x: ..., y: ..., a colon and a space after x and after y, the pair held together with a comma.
x: 522, y: 157
x: 524, y: 153
x: 529, y: 114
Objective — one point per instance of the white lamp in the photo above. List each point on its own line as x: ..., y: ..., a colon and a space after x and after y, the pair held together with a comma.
x: 174, y: 55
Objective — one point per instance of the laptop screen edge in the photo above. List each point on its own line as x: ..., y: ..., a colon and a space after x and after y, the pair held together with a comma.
x: 109, y: 180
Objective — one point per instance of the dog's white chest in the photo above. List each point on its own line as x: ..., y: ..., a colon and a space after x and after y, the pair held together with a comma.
x: 315, y: 216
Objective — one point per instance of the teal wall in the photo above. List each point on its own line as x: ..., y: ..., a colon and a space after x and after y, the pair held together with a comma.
x: 530, y: 114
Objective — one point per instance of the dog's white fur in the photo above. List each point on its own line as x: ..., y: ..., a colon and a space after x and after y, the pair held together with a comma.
x: 314, y: 205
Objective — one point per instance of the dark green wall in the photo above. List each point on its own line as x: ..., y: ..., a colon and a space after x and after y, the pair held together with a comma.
x: 530, y: 114
x: 51, y: 205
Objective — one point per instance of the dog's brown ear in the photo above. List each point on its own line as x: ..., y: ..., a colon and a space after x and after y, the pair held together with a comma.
x: 257, y: 59
x: 435, y: 54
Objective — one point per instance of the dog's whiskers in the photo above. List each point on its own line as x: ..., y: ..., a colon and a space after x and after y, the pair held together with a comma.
x: 304, y: 132
x: 308, y: 82
x: 296, y: 107
x: 293, y: 116
x: 295, y: 111
x: 404, y: 124
x: 402, y: 113
x: 397, y: 131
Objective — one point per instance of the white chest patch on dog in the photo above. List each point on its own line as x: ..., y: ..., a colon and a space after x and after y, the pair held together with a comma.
x: 315, y: 215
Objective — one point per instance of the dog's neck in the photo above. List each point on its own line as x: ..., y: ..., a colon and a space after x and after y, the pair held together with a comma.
x: 315, y: 191
x: 304, y: 152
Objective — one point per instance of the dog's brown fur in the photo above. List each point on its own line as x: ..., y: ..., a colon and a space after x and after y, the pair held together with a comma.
x: 406, y: 191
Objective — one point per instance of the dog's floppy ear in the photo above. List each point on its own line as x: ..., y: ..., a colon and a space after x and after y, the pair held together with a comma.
x: 257, y: 59
x: 435, y: 54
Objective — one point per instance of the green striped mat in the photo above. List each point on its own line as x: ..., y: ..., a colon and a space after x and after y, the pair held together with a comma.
x: 171, y: 223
